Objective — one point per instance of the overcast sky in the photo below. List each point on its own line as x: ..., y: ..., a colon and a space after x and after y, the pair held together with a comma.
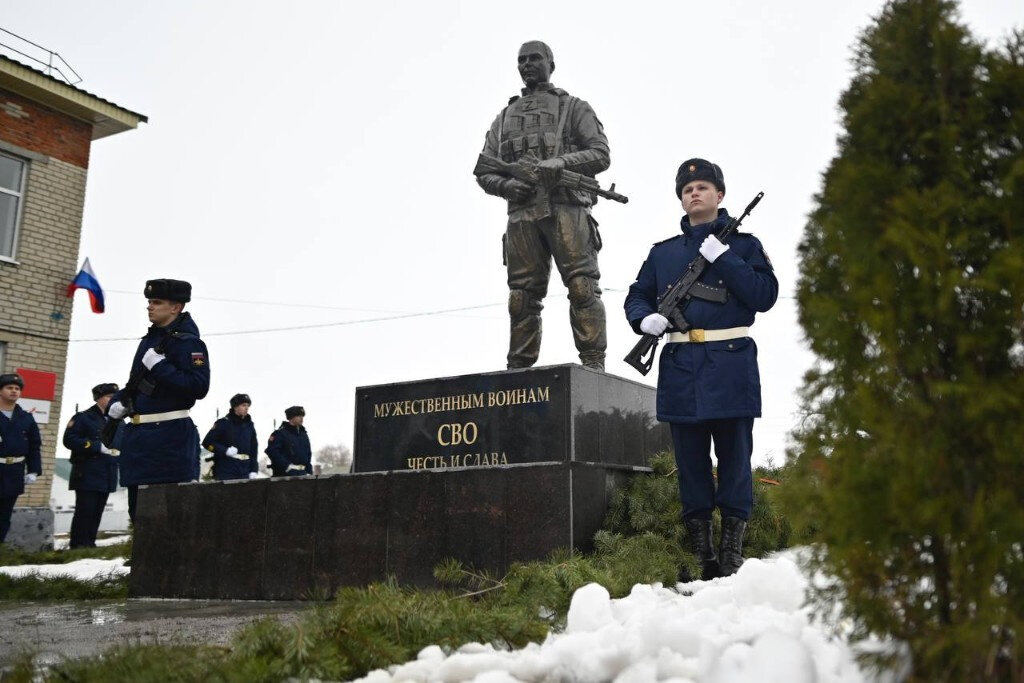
x: 309, y: 164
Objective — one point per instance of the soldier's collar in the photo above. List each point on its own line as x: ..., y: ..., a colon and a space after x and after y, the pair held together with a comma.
x: 546, y: 86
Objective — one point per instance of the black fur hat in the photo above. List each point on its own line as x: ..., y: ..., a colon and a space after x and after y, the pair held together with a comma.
x: 699, y: 169
x: 12, y: 378
x: 171, y: 290
x: 239, y: 399
x: 289, y: 413
x: 103, y: 390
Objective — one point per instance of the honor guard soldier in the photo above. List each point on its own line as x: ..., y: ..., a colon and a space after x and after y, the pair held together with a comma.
x: 232, y: 440
x: 709, y: 387
x: 93, y: 467
x: 20, y: 460
x: 561, y: 132
x: 288, y: 448
x: 160, y: 444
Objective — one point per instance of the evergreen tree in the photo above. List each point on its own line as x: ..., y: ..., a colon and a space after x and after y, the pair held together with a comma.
x: 910, y: 465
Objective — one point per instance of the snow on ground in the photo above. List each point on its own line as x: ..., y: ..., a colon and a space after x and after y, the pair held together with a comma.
x: 82, y: 570
x: 63, y: 543
x: 750, y: 627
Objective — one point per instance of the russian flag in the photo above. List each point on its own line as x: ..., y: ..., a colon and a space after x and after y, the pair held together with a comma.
x: 86, y: 279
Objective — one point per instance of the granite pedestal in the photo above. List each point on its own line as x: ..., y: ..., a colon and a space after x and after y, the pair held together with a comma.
x: 489, y: 469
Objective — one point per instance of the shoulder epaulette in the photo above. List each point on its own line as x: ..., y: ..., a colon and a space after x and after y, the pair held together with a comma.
x: 513, y: 99
x: 674, y: 237
x: 558, y: 91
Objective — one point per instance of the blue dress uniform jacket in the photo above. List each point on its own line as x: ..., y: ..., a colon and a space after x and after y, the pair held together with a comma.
x: 289, y: 446
x: 705, y: 381
x: 91, y: 469
x: 162, y: 452
x: 232, y: 430
x: 19, y: 438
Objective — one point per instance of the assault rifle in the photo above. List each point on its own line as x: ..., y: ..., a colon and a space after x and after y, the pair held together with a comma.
x: 139, y: 380
x: 526, y: 170
x: 678, y: 294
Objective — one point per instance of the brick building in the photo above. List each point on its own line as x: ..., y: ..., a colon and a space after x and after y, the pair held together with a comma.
x: 46, y: 129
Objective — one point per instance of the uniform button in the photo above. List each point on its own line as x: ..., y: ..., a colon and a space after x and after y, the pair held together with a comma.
x: 730, y: 346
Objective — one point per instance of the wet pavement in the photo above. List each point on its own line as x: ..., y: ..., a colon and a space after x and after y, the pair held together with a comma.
x: 71, y: 630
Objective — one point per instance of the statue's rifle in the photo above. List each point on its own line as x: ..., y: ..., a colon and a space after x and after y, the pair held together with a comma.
x: 526, y: 171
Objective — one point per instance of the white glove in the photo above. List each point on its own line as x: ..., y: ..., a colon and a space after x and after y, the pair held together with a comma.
x: 104, y: 450
x: 231, y: 450
x: 116, y: 411
x: 711, y: 248
x: 254, y: 475
x: 151, y: 358
x: 30, y: 478
x: 655, y: 324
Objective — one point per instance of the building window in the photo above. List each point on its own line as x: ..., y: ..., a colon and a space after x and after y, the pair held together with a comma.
x: 12, y: 189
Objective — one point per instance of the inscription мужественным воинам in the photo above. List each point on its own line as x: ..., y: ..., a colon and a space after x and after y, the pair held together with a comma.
x: 548, y: 414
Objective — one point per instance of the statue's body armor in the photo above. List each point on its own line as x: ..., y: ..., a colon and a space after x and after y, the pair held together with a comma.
x: 529, y: 126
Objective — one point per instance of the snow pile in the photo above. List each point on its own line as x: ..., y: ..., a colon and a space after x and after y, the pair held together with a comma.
x: 81, y: 570
x: 745, y: 628
x: 65, y: 543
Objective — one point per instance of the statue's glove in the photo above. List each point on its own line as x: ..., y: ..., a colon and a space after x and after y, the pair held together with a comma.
x: 551, y: 171
x: 655, y: 324
x: 711, y: 248
x: 151, y: 358
x: 517, y: 191
x: 116, y: 411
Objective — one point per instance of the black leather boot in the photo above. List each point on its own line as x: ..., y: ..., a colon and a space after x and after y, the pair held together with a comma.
x: 730, y: 551
x: 701, y: 544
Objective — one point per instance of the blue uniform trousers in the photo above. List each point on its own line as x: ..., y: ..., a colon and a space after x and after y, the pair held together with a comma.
x: 85, y: 523
x: 734, y: 444
x: 6, y: 510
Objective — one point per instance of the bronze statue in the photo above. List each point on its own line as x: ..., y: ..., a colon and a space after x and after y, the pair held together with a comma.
x: 550, y: 134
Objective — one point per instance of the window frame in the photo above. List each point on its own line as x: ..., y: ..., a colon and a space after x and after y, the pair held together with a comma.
x: 19, y: 212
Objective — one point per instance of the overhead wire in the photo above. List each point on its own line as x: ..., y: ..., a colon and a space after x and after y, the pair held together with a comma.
x: 312, y: 326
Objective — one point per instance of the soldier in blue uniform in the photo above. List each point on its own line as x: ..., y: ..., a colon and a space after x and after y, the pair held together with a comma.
x: 709, y: 387
x: 288, y: 448
x: 20, y: 459
x: 232, y: 440
x: 93, y: 467
x: 161, y: 443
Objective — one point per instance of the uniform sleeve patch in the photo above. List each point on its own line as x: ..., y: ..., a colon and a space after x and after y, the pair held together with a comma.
x: 199, y: 359
x: 271, y: 437
x: 71, y: 423
x: 766, y: 259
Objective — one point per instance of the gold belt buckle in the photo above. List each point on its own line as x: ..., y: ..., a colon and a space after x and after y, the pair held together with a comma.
x: 136, y: 419
x: 697, y: 336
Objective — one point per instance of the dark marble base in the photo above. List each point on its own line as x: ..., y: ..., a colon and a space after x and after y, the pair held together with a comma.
x: 298, y: 538
x: 555, y: 413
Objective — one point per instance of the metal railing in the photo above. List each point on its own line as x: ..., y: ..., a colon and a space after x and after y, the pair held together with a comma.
x: 49, y: 60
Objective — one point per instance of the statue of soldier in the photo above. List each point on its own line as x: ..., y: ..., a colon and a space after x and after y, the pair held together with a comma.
x: 560, y: 132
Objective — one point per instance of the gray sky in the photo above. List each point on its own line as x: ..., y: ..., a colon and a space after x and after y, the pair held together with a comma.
x: 315, y: 159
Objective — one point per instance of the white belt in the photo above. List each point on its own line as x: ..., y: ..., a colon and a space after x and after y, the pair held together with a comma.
x: 701, y: 336
x: 12, y: 460
x: 296, y: 467
x: 159, y: 417
x: 238, y: 456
